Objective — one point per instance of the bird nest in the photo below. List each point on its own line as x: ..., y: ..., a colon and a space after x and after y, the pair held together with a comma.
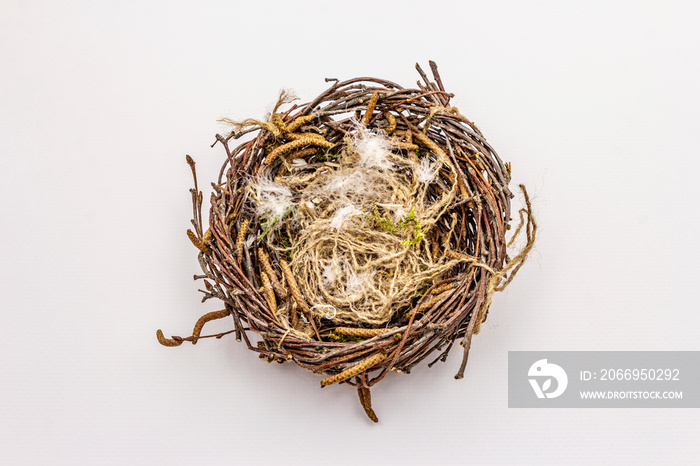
x: 358, y: 233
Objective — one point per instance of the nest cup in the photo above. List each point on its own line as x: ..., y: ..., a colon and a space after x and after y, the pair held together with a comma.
x: 358, y: 233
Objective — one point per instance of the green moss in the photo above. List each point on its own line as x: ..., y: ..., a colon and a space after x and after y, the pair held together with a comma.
x: 408, y: 222
x: 285, y: 239
x: 325, y: 156
x: 267, y: 222
x: 344, y: 338
x: 383, y: 222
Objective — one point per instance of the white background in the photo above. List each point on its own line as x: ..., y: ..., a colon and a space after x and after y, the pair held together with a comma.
x: 596, y: 104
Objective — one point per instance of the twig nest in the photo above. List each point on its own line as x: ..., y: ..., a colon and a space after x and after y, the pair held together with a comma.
x: 359, y: 232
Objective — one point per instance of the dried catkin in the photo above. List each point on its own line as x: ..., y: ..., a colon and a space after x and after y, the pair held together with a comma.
x: 269, y: 292
x: 267, y: 268
x: 199, y: 244
x: 354, y: 370
x: 207, y: 318
x: 166, y: 341
x: 362, y: 332
x: 299, y: 143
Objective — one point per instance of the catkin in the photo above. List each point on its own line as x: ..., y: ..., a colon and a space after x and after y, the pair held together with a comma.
x: 296, y: 294
x: 204, y: 319
x: 366, y: 400
x: 292, y: 283
x: 427, y: 142
x: 199, y: 244
x: 269, y: 293
x: 428, y: 303
x: 299, y: 122
x: 370, y: 109
x: 354, y: 370
x: 294, y: 313
x: 403, y: 145
x: 278, y: 122
x: 392, y: 123
x: 467, y: 258
x: 267, y: 268
x: 302, y: 154
x: 460, y: 256
x: 166, y: 341
x: 298, y: 136
x: 446, y: 287
x: 290, y: 146
x: 240, y: 237
x: 362, y: 332
x: 207, y: 237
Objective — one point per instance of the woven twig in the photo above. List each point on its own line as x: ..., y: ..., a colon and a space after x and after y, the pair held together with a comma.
x: 466, y: 235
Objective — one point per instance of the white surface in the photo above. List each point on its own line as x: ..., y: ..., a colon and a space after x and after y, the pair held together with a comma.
x: 595, y: 103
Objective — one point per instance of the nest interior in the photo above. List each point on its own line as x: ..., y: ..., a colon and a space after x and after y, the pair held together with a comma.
x: 358, y: 233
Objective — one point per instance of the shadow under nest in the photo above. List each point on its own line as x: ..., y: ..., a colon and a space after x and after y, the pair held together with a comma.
x: 359, y: 233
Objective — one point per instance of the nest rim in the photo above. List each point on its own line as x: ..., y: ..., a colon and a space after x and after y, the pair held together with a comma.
x: 453, y: 307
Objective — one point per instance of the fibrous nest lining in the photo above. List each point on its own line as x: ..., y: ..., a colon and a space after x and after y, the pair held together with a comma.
x: 359, y: 232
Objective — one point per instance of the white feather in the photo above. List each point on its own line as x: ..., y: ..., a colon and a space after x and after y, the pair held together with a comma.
x: 329, y: 274
x: 426, y: 171
x: 272, y: 199
x: 355, y: 283
x: 372, y: 150
x: 342, y: 215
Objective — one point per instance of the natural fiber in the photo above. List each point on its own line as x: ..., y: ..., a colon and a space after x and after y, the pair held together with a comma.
x: 358, y: 233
